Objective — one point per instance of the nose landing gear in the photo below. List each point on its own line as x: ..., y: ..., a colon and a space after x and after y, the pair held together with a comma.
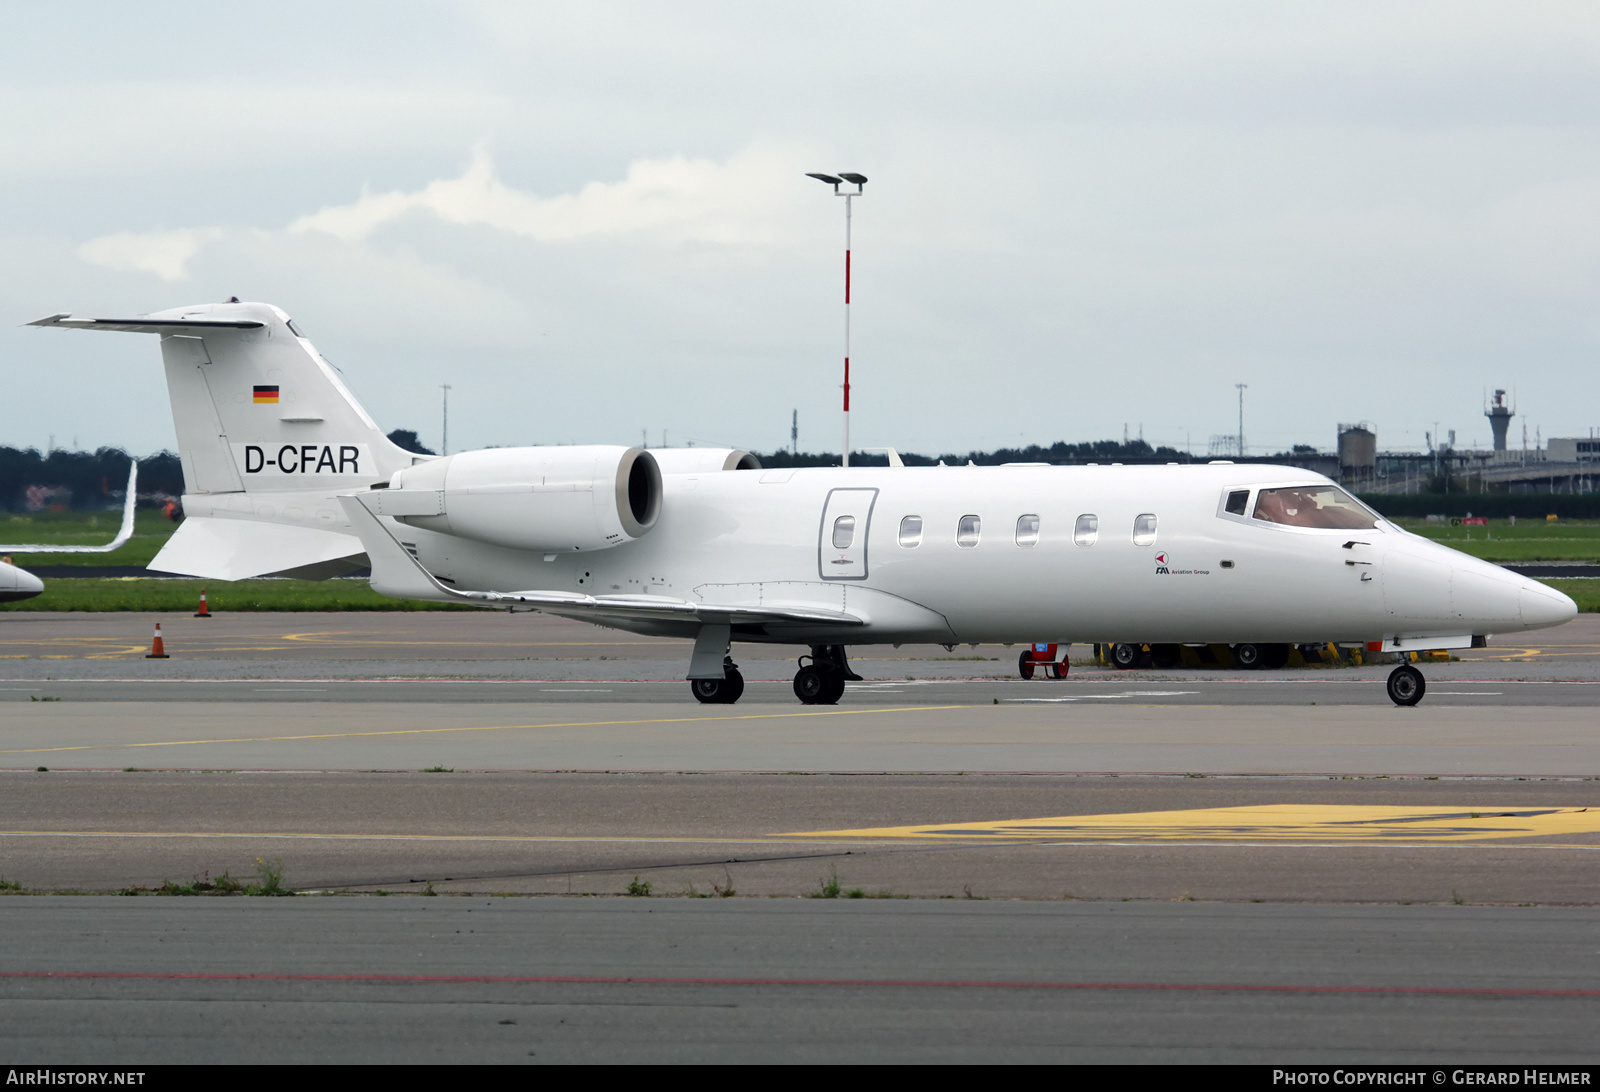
x: 1406, y: 685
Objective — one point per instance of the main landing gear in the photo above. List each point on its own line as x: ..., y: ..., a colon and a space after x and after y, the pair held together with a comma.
x: 723, y: 691
x: 1406, y: 685
x: 821, y: 682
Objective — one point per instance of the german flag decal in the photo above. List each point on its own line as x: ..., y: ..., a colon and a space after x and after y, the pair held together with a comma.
x: 266, y: 394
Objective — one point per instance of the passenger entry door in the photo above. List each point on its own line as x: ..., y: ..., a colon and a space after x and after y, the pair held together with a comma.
x: 842, y: 538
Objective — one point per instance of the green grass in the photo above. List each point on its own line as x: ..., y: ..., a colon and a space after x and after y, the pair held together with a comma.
x: 151, y: 530
x: 1529, y: 540
x: 142, y: 594
x: 1585, y: 593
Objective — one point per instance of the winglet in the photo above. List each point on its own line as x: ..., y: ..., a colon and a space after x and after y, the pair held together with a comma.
x: 124, y: 533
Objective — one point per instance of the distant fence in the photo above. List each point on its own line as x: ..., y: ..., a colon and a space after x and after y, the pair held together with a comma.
x: 1493, y: 505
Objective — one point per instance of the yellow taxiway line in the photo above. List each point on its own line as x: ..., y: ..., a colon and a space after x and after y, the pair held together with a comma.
x: 1351, y: 824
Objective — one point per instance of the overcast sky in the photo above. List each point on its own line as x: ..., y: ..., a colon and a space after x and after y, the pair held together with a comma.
x: 592, y: 219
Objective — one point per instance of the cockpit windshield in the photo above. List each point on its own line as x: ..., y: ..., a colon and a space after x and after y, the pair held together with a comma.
x: 1313, y: 506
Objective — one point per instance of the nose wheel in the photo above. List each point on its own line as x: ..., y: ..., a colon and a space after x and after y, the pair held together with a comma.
x: 1406, y: 685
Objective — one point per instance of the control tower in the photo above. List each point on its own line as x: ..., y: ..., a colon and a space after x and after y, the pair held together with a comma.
x: 1499, y: 415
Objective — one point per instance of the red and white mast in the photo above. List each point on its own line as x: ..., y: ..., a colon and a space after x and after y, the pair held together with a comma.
x: 858, y: 181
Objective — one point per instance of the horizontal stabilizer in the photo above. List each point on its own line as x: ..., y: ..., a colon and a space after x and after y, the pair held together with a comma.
x: 396, y: 573
x: 144, y: 325
x: 237, y: 549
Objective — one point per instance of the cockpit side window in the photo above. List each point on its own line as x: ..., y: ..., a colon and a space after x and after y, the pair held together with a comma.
x: 1325, y: 506
x: 1237, y: 499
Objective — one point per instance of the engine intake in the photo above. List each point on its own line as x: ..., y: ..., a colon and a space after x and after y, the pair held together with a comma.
x: 549, y: 499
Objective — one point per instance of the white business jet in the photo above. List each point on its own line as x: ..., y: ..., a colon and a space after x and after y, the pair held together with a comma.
x: 17, y: 583
x: 285, y: 473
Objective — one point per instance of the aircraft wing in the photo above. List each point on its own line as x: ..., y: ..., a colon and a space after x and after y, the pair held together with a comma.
x: 396, y: 573
x: 123, y: 534
x: 142, y: 325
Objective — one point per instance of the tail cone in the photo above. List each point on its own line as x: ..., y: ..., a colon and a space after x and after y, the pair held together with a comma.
x: 157, y: 650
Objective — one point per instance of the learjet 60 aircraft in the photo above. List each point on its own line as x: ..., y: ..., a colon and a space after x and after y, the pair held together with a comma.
x: 285, y: 473
x: 17, y: 583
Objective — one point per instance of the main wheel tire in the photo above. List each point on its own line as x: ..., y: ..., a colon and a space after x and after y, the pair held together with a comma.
x: 1025, y: 664
x: 1126, y: 657
x: 1274, y: 657
x: 723, y: 691
x: 1247, y: 657
x: 708, y: 691
x: 1406, y: 685
x: 818, y: 684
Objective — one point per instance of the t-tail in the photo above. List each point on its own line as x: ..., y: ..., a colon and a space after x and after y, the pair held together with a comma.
x: 268, y: 435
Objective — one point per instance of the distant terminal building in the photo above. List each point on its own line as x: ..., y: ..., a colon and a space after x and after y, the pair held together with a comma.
x: 1578, y: 450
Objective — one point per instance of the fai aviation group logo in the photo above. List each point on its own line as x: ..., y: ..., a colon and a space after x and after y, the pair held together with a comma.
x: 1164, y: 568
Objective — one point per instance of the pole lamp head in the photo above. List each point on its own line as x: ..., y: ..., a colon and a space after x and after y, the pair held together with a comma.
x: 837, y: 180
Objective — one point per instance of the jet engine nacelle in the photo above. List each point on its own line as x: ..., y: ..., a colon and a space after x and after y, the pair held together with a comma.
x: 703, y: 460
x: 549, y: 499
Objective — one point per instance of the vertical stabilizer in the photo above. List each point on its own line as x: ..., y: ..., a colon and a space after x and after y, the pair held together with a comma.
x: 255, y: 406
x: 268, y: 434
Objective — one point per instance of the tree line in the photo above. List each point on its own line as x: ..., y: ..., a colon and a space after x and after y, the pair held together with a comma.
x: 31, y: 479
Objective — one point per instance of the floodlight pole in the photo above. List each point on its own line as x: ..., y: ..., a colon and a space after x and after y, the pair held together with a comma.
x: 1241, y: 387
x: 859, y: 181
x: 444, y: 414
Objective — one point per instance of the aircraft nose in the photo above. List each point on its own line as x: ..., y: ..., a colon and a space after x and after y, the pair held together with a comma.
x: 1543, y: 606
x: 18, y: 583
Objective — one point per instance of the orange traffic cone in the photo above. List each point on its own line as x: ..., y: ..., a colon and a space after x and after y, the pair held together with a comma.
x: 204, y: 611
x: 157, y: 650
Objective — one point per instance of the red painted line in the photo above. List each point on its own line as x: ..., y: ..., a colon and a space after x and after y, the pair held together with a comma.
x: 916, y: 983
x: 847, y: 384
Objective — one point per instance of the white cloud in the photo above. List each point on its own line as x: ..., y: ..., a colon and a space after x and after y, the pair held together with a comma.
x: 164, y: 253
x: 740, y: 201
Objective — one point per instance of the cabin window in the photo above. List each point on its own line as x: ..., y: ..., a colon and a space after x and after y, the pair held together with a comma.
x: 1236, y: 502
x: 1027, y: 530
x: 1313, y: 506
x: 911, y: 532
x: 968, y: 530
x: 1144, y: 529
x: 844, y: 532
x: 1086, y: 530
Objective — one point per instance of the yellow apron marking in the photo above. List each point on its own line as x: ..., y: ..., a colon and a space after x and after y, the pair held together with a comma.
x: 1345, y: 824
x: 472, y: 728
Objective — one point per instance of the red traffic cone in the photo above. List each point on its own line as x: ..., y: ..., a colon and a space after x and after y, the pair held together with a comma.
x: 157, y: 650
x: 204, y: 611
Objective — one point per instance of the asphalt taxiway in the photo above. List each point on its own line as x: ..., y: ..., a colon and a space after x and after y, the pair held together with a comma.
x: 476, y: 755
